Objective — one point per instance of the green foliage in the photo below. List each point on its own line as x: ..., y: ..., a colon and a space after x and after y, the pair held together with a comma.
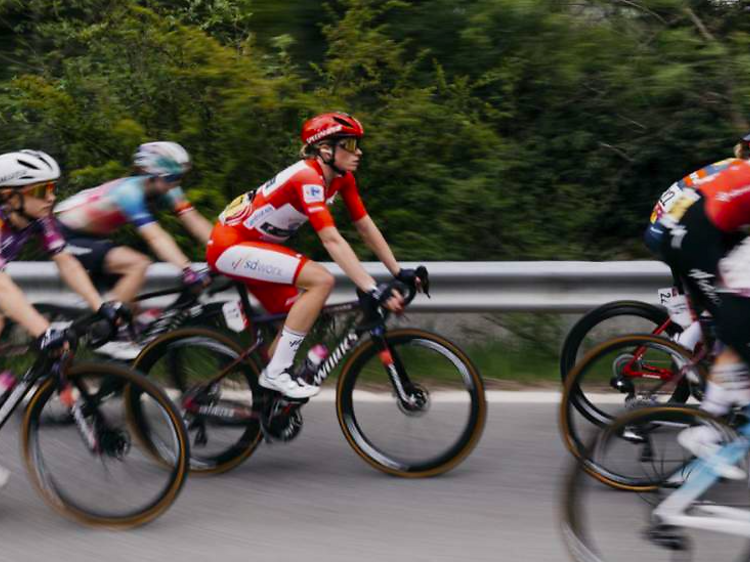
x: 495, y: 129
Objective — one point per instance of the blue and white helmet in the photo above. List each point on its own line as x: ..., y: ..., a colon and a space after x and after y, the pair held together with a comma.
x: 162, y: 158
x: 27, y: 167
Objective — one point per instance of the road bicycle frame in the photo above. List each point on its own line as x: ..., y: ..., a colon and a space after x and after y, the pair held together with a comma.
x: 701, y: 475
x: 375, y: 326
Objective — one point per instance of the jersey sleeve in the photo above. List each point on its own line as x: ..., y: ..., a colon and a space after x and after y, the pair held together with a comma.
x: 131, y: 199
x: 312, y: 198
x: 352, y: 200
x: 177, y: 201
x: 52, y: 240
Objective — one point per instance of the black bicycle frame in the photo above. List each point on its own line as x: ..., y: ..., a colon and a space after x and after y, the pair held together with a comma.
x: 24, y: 385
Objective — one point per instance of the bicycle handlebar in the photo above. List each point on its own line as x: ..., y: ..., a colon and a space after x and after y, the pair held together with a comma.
x: 408, y: 291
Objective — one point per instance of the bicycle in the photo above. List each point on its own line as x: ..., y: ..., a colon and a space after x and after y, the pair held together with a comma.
x: 99, y: 396
x: 627, y: 372
x: 407, y: 376
x: 587, y: 332
x: 678, y: 493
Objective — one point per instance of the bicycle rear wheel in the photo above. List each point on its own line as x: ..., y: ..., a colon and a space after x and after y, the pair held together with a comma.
x: 93, y: 470
x: 221, y: 418
x: 624, y: 373
x: 639, y: 452
x: 610, y: 320
x: 427, y: 438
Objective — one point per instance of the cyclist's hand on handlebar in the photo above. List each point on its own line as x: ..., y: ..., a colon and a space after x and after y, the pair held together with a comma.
x: 389, y: 297
x: 197, y: 278
x: 116, y: 313
x: 417, y: 279
x: 54, y: 340
x: 409, y: 277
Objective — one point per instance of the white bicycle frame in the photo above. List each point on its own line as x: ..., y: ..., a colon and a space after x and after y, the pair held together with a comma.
x: 701, y: 475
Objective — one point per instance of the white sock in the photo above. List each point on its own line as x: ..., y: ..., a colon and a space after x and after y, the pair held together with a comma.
x: 717, y: 400
x: 729, y: 384
x: 690, y: 336
x: 283, y: 357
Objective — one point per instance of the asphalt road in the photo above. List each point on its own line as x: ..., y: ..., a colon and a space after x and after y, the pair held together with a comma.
x: 315, y: 499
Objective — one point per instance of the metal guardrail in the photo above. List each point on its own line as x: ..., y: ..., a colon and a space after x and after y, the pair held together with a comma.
x: 456, y: 286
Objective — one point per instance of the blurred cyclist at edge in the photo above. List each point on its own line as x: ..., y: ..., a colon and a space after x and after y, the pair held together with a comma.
x: 90, y: 216
x: 674, y: 298
x: 246, y: 243
x: 705, y: 243
x: 27, y: 193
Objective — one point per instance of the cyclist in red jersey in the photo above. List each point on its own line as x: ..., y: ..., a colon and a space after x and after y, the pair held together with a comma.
x: 246, y: 243
x: 706, y: 244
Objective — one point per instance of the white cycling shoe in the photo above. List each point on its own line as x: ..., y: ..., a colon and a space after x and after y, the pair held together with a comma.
x: 288, y: 385
x: 704, y: 441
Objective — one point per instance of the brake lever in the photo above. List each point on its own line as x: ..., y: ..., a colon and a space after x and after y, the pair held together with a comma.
x: 424, y: 278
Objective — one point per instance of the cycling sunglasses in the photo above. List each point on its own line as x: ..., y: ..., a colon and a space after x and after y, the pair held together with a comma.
x: 171, y: 178
x: 41, y: 190
x: 350, y: 144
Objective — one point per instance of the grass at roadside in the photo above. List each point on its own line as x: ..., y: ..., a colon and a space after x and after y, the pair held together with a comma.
x: 519, y: 363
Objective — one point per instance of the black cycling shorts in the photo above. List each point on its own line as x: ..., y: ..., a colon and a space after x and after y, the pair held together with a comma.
x: 693, y: 249
x: 90, y: 250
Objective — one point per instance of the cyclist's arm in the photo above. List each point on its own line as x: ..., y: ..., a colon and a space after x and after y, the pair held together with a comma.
x: 196, y: 224
x: 341, y: 252
x: 374, y: 239
x: 13, y: 303
x: 163, y: 245
x: 75, y: 277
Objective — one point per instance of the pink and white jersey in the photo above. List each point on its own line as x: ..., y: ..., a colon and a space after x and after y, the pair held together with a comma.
x: 275, y: 210
x: 102, y: 210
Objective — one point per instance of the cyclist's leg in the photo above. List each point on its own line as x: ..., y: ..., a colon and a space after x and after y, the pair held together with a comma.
x: 317, y: 283
x: 732, y: 324
x: 273, y: 274
x: 693, y: 250
x: 130, y: 266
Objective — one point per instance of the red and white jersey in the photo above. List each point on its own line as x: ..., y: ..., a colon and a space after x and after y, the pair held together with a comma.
x: 727, y: 195
x: 275, y: 210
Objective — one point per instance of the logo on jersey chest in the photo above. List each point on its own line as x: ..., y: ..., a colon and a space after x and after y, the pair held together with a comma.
x: 313, y: 193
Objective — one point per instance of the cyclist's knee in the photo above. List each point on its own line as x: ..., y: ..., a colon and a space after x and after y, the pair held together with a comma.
x: 315, y: 276
x: 125, y: 261
x: 141, y: 262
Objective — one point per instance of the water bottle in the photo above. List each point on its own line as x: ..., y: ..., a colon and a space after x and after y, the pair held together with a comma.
x: 315, y: 357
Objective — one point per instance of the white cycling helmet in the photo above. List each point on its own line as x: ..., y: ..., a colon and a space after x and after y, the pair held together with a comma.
x: 162, y: 158
x: 27, y: 167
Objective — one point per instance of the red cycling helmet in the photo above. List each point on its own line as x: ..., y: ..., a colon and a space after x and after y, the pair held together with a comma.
x: 331, y: 126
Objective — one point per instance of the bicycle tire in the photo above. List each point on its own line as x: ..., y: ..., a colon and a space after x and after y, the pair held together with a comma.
x: 571, y: 348
x: 207, y: 348
x: 39, y: 464
x: 574, y: 399
x: 593, y: 529
x: 469, y: 383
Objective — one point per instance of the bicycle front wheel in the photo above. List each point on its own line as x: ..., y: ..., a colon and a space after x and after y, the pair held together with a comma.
x: 639, y: 452
x: 93, y: 470
x: 428, y: 436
